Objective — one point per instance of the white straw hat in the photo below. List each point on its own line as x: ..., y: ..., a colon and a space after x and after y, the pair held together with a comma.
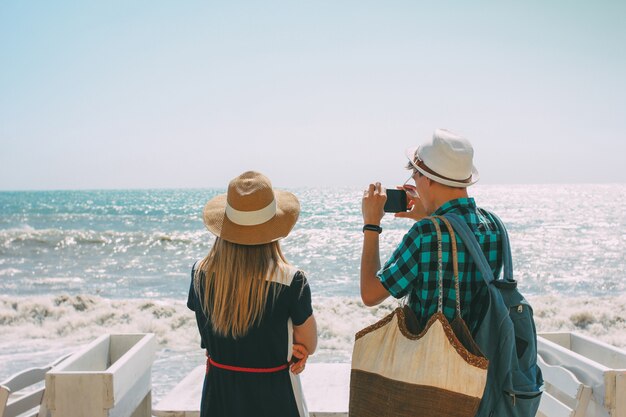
x: 447, y: 159
x: 251, y: 212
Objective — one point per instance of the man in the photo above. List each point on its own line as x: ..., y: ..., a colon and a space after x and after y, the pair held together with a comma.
x: 442, y: 169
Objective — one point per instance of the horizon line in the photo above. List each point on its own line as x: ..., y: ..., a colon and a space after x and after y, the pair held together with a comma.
x: 514, y: 184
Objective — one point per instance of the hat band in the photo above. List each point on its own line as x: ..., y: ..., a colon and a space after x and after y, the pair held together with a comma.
x: 422, y: 165
x: 251, y: 218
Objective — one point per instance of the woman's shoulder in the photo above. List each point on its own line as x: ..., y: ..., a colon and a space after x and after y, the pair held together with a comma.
x: 286, y: 274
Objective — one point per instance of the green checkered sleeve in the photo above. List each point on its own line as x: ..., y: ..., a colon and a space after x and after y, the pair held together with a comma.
x: 399, y: 273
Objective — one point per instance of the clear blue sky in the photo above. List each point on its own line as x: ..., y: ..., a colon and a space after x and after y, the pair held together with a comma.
x: 135, y: 94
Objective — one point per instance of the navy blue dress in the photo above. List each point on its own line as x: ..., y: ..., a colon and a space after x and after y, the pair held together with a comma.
x: 267, y: 345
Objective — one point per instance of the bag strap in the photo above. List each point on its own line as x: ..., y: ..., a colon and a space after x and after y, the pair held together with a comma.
x: 439, y: 266
x: 455, y: 264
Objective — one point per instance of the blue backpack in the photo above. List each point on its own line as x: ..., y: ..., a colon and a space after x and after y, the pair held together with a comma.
x: 506, y: 335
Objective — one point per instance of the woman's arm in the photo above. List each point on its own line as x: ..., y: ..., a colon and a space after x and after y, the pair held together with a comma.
x: 306, y: 334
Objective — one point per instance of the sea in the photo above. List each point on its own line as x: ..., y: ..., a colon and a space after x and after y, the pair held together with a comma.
x: 78, y: 264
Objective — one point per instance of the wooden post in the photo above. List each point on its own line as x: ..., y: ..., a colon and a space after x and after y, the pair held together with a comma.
x: 110, y: 377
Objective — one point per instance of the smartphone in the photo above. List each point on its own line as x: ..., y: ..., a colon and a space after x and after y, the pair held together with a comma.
x: 396, y: 201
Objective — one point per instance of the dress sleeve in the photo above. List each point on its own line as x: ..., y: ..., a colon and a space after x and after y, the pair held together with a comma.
x: 192, y: 298
x: 194, y: 304
x: 300, y: 303
x: 400, y: 271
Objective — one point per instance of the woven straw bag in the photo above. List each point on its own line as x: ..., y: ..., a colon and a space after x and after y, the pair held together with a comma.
x: 400, y: 370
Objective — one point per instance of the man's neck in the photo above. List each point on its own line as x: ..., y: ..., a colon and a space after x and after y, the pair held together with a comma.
x: 446, y: 194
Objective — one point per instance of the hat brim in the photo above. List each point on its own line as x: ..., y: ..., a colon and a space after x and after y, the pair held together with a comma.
x: 278, y: 227
x: 410, y: 154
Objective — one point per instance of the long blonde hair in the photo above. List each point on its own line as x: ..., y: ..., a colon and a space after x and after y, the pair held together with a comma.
x: 234, y: 282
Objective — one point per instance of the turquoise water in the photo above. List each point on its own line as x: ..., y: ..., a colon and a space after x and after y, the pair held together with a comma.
x: 136, y: 244
x: 76, y: 264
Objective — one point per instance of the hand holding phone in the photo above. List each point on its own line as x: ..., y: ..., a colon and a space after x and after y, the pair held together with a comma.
x: 396, y: 201
x: 415, y: 208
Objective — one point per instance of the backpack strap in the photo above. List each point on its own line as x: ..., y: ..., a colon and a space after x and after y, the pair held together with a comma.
x: 507, y: 264
x: 467, y: 236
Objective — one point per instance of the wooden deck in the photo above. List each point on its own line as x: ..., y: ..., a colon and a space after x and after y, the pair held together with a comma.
x: 583, y: 377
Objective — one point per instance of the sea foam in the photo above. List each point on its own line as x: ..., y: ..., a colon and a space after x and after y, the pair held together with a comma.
x: 81, y: 318
x: 36, y: 330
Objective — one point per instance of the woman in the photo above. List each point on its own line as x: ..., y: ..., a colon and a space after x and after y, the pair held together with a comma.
x: 252, y: 307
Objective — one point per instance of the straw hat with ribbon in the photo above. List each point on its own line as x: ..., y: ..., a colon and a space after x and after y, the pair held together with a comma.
x: 251, y: 212
x: 446, y: 159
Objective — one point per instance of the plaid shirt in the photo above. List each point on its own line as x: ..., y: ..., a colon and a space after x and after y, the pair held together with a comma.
x: 412, y: 268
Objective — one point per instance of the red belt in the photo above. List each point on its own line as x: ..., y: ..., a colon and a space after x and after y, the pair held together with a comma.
x: 210, y: 361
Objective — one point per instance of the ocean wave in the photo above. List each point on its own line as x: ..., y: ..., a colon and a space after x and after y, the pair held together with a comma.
x: 80, y: 318
x: 28, y: 239
x: 37, y: 330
